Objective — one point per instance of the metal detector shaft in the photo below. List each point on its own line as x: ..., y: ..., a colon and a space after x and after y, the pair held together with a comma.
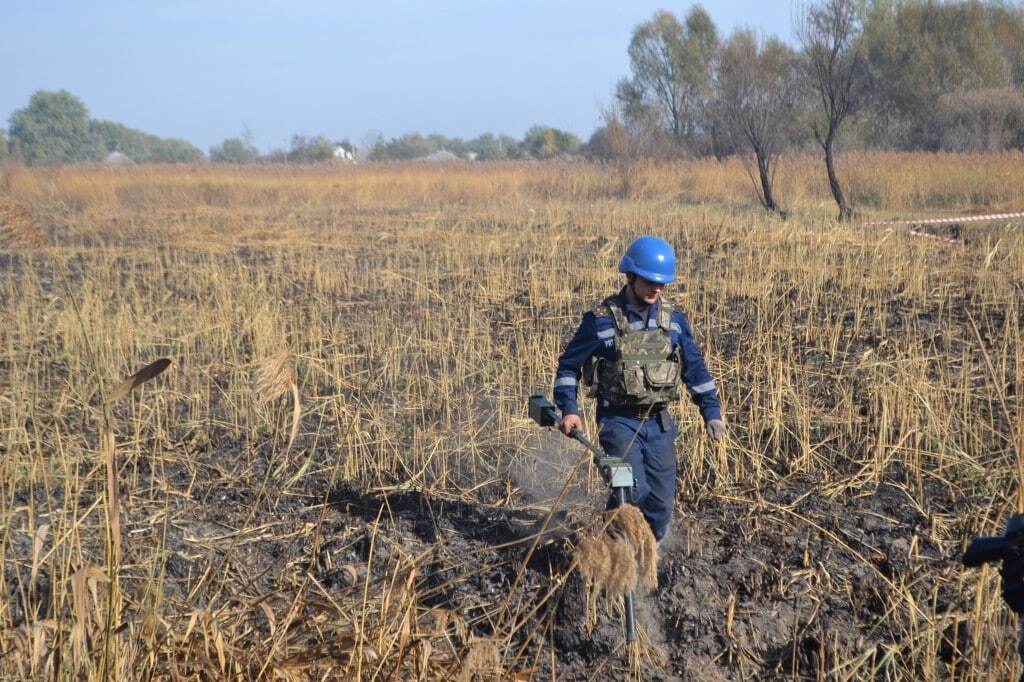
x: 587, y: 443
x: 628, y: 599
x: 617, y: 473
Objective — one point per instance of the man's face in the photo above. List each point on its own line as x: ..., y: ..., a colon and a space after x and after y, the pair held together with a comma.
x: 646, y: 291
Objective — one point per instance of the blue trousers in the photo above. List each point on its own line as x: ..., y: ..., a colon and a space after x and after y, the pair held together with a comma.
x: 649, y: 448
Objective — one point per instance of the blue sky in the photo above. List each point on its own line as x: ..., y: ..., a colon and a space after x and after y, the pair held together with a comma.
x: 204, y: 69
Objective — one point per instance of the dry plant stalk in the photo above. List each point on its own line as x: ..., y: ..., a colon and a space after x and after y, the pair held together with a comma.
x: 38, y: 539
x: 113, y: 494
x: 80, y: 612
x: 84, y: 625
x: 17, y: 229
x: 115, y: 554
x: 108, y: 445
x: 32, y: 652
x: 275, y: 376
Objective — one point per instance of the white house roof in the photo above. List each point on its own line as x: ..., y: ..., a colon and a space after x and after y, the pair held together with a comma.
x: 117, y: 159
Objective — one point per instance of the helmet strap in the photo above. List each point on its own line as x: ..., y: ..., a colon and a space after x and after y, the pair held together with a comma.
x: 631, y: 286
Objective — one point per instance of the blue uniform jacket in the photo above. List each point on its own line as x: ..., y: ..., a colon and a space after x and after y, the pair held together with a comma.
x: 596, y: 336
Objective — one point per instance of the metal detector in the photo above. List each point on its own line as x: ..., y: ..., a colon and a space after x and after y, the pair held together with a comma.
x: 616, y: 472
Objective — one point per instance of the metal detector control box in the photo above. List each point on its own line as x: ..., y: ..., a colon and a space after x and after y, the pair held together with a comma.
x: 616, y: 472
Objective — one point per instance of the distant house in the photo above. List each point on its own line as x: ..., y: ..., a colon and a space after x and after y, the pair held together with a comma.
x: 343, y: 151
x: 117, y: 159
x: 441, y: 156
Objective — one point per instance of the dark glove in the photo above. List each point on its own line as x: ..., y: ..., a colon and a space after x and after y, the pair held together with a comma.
x: 716, y: 428
x: 1012, y: 572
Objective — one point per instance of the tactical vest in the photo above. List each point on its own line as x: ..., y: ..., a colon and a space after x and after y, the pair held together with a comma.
x: 645, y: 370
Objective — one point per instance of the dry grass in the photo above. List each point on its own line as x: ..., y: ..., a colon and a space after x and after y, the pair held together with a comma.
x: 421, y: 306
x: 217, y: 208
x: 618, y: 554
x: 274, y: 378
x: 17, y: 229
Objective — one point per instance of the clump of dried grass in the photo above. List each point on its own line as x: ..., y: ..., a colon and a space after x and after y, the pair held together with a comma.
x: 274, y: 377
x: 32, y: 652
x: 617, y: 557
x: 623, y: 565
x: 594, y: 560
x: 17, y: 229
x: 631, y: 522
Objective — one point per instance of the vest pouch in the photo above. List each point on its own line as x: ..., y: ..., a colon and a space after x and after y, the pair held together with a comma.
x: 661, y: 374
x: 633, y: 381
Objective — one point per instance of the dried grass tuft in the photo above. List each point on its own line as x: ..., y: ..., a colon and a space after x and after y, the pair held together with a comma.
x: 80, y: 625
x: 32, y: 650
x: 17, y: 229
x: 274, y: 377
x: 631, y: 522
x: 623, y: 574
x: 593, y: 559
x: 594, y: 562
x: 617, y: 557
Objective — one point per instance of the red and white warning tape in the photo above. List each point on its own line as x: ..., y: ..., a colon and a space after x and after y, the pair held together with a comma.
x: 944, y: 221
x: 948, y: 221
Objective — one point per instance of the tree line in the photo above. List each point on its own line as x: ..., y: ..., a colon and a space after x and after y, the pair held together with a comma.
x: 926, y: 75
x: 875, y: 74
x: 55, y: 128
x: 539, y: 142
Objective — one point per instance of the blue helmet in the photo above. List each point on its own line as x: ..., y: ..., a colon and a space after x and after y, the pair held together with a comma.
x: 651, y: 258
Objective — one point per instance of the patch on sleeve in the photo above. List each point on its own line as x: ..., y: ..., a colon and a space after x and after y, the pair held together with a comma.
x: 600, y: 311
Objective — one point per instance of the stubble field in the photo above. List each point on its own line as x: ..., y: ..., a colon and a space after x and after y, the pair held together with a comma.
x: 336, y: 478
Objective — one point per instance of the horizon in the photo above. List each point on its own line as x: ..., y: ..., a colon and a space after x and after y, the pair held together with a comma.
x: 209, y: 77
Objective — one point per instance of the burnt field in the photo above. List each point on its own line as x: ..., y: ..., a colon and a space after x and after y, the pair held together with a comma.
x: 336, y: 478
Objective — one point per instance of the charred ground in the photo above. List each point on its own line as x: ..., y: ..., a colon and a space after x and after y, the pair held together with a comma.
x: 871, y: 382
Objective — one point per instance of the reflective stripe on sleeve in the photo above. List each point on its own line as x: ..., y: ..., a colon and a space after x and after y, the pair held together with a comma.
x: 703, y: 388
x: 565, y: 381
x: 676, y: 328
x: 606, y: 334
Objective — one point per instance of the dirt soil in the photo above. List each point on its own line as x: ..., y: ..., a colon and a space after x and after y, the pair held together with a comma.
x: 743, y: 592
x: 781, y: 583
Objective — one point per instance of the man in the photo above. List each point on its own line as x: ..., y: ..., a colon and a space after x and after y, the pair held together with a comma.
x: 633, y: 350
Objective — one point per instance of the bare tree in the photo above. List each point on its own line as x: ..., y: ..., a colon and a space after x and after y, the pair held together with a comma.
x: 835, y: 69
x: 757, y: 97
